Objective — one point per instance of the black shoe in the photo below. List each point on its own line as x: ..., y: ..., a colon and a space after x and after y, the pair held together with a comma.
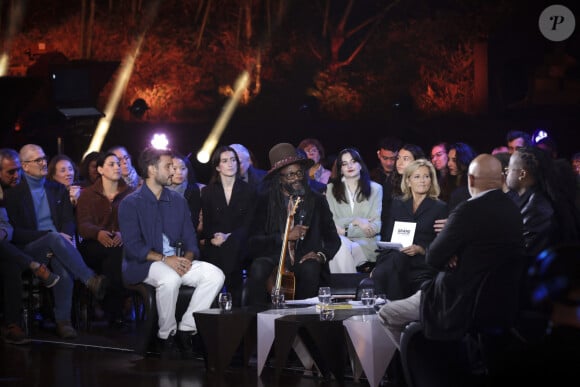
x: 168, y: 348
x: 189, y: 344
x: 366, y: 267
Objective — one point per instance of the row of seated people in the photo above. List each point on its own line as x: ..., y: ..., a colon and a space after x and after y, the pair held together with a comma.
x: 349, y: 163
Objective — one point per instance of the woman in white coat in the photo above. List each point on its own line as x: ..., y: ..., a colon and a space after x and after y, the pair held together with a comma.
x: 356, y: 203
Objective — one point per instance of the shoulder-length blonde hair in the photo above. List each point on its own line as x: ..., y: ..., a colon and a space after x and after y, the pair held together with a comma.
x: 434, y: 190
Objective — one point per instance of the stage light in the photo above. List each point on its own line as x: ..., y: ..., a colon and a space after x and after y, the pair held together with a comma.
x: 159, y: 141
x: 210, y: 143
x: 138, y: 108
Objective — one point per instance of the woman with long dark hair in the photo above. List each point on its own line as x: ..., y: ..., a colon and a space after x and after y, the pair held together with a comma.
x: 97, y: 218
x: 355, y: 202
x: 460, y: 156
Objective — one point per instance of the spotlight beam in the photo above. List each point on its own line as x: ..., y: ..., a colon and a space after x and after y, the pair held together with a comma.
x: 121, y: 83
x: 14, y: 22
x: 212, y: 140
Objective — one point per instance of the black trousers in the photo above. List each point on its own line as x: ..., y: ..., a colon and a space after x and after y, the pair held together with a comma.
x: 108, y: 262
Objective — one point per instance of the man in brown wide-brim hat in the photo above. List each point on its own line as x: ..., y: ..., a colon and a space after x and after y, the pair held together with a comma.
x: 312, y: 236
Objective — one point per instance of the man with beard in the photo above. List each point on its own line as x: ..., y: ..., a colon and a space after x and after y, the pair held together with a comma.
x: 312, y: 237
x: 153, y: 219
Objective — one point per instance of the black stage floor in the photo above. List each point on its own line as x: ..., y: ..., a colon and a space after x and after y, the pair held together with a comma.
x: 103, y: 357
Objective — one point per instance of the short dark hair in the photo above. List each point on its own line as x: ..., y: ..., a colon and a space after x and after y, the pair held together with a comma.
x: 8, y: 153
x: 151, y: 156
x: 390, y: 143
x: 513, y: 134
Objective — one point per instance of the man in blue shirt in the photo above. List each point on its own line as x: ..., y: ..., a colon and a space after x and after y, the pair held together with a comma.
x: 153, y: 219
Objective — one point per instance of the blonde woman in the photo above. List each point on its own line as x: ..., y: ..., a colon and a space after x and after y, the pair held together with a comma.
x: 399, y: 273
x: 355, y: 202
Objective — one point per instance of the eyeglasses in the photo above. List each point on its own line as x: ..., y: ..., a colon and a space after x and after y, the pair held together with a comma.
x: 38, y: 161
x: 506, y: 170
x: 350, y: 162
x: 292, y: 175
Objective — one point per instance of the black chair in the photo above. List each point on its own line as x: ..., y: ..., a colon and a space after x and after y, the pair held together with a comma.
x: 146, y: 316
x: 470, y: 360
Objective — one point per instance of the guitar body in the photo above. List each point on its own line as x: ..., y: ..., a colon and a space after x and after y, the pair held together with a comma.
x: 287, y: 283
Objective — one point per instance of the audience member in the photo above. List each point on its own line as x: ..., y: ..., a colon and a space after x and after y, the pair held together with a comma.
x: 12, y: 260
x: 355, y: 202
x: 315, y: 152
x: 516, y: 139
x: 64, y: 171
x: 460, y: 155
x: 399, y: 273
x: 405, y: 155
x: 310, y: 244
x: 548, y: 218
x: 88, y: 169
x: 314, y: 185
x: 102, y: 243
x: 10, y: 170
x: 42, y: 215
x: 385, y: 175
x: 439, y: 159
x: 228, y: 206
x: 154, y: 221
x: 184, y: 183
x: 128, y: 172
x: 248, y: 172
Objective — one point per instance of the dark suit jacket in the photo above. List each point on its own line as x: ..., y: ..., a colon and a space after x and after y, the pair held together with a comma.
x: 255, y: 175
x: 20, y: 208
x: 483, y: 233
x: 429, y: 210
x: 234, y: 218
x: 321, y: 235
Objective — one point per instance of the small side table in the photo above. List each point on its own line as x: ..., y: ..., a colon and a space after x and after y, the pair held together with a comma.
x: 266, y: 328
x: 369, y: 347
x: 325, y: 340
x: 223, y: 332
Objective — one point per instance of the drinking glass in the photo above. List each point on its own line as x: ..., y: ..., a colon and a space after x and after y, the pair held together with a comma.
x: 326, y: 312
x: 324, y: 295
x: 225, y: 301
x: 368, y: 297
x: 277, y: 298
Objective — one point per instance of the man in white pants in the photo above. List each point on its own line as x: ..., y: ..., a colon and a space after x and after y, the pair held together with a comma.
x: 153, y: 220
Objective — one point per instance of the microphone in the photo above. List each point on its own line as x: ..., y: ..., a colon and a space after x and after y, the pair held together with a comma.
x: 179, y: 249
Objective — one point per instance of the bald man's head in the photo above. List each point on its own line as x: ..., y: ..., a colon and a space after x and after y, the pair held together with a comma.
x: 485, y: 173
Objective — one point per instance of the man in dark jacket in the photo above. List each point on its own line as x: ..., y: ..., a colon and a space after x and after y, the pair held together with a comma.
x: 42, y: 215
x: 312, y: 238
